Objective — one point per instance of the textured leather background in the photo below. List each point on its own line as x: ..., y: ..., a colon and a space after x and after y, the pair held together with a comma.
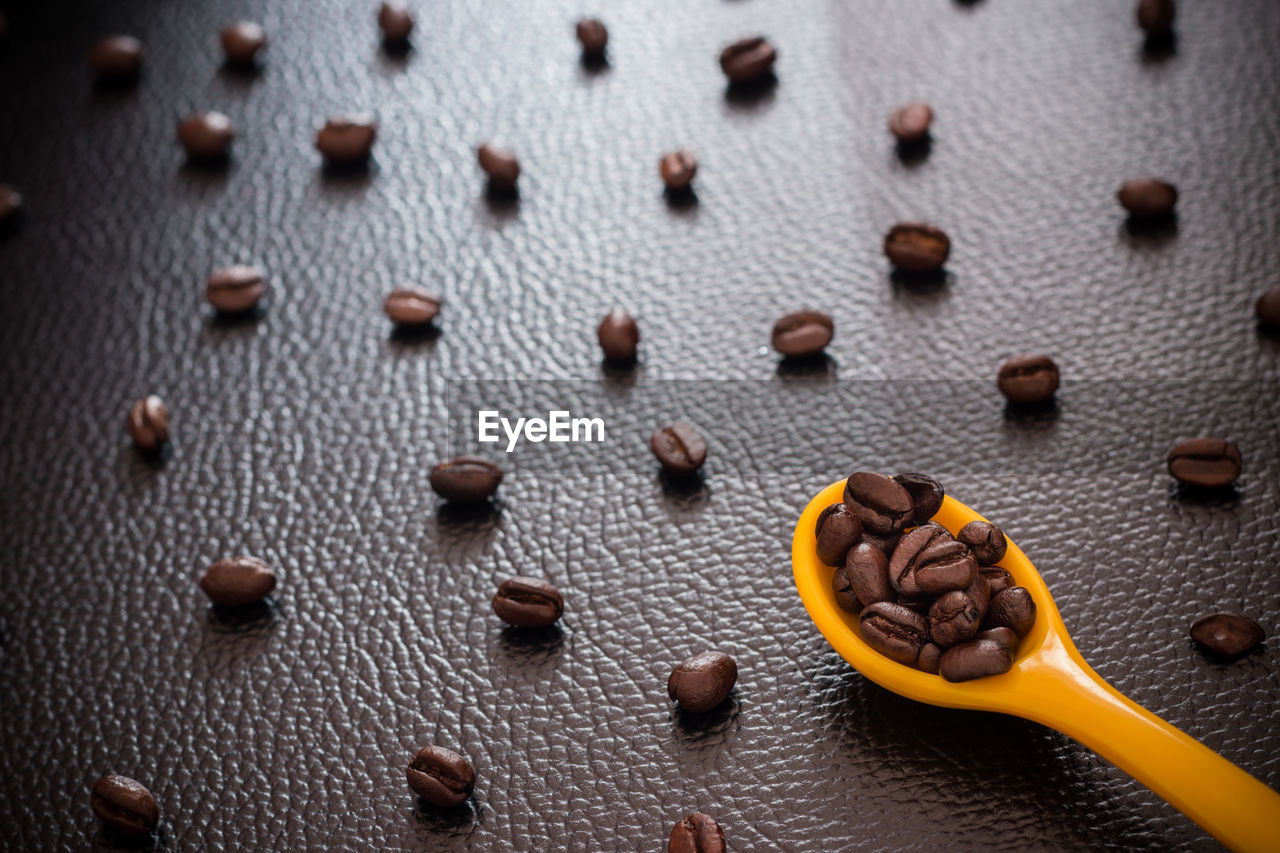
x: 305, y: 437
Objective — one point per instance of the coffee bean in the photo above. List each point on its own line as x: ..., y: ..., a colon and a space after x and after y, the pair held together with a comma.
x: 802, y: 333
x: 11, y: 206
x: 929, y: 657
x: 867, y: 569
x: 396, y: 22
x: 954, y: 618
x: 1209, y: 463
x: 929, y: 560
x: 1012, y: 608
x: 242, y: 42
x: 235, y: 290
x: 882, y: 505
x: 703, y: 681
x: 677, y: 169
x: 117, y: 59
x: 206, y: 136
x: 679, y: 448
x: 1028, y: 379
x: 917, y: 247
x: 895, y: 631
x: 997, y: 577
x: 974, y: 659
x: 1003, y: 636
x: 149, y: 423
x: 842, y: 589
x: 528, y: 603
x: 697, y: 833
x: 592, y: 35
x: 465, y: 479
x: 910, y: 124
x: 411, y: 306
x: 441, y: 776
x: 1148, y: 198
x: 838, y: 530
x: 619, y: 336
x: 124, y: 805
x: 238, y: 581
x: 885, y: 544
x: 500, y: 165
x: 926, y: 495
x: 748, y: 61
x: 985, y: 540
x: 347, y: 140
x: 1227, y: 635
x: 1155, y: 17
x: 1267, y: 307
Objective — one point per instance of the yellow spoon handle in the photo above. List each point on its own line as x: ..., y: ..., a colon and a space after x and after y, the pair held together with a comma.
x: 1227, y: 802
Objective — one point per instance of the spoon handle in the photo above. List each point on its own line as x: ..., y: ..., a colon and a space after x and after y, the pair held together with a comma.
x: 1227, y: 802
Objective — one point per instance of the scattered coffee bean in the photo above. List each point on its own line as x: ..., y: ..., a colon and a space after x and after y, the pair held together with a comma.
x: 619, y: 336
x: 592, y: 35
x: 867, y: 569
x: 703, y: 681
x: 895, y: 631
x: 149, y: 423
x: 1209, y: 463
x: 1028, y: 379
x: 929, y: 657
x: 500, y: 165
x: 802, y: 333
x: 465, y: 479
x: 1004, y: 636
x: 843, y: 590
x: 974, y: 659
x: 347, y: 140
x: 998, y: 578
x: 838, y: 530
x: 917, y: 247
x: 697, y: 833
x: 11, y: 206
x: 441, y: 776
x: 926, y: 495
x: 1155, y: 17
x: 528, y: 603
x: 124, y: 805
x: 679, y: 448
x: 411, y: 306
x: 1227, y: 635
x: 677, y: 169
x: 117, y: 59
x: 910, y: 124
x: 396, y: 22
x: 1148, y: 198
x: 1267, y: 307
x: 238, y: 581
x: 235, y: 290
x: 748, y: 61
x: 882, y: 505
x: 1012, y: 608
x: 985, y: 540
x: 242, y: 42
x: 206, y: 136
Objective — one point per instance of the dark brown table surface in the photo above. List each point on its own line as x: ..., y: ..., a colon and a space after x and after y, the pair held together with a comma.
x: 305, y: 436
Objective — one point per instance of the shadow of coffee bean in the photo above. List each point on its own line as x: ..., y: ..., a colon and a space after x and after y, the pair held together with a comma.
x: 479, y: 514
x: 682, y: 201
x: 1157, y: 49
x: 686, y: 488
x: 243, y: 618
x: 817, y: 366
x: 918, y: 283
x: 709, y: 726
x: 1223, y: 497
x: 404, y: 338
x: 454, y: 821
x: 1149, y: 232
x: 913, y: 153
x: 753, y: 95
x: 593, y: 64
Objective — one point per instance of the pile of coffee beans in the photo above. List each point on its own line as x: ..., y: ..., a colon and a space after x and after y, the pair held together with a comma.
x: 925, y: 598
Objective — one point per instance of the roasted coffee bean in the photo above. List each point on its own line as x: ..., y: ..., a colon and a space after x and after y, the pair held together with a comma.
x: 11, y: 206
x: 117, y: 59
x: 347, y: 140
x: 677, y: 169
x: 1155, y: 17
x: 910, y: 124
x: 882, y: 505
x: 679, y: 448
x: 242, y: 42
x: 592, y: 35
x: 1012, y: 608
x: 997, y: 577
x: 867, y: 568
x: 148, y: 423
x: 802, y: 333
x: 895, y: 631
x: 411, y: 306
x: 838, y: 530
x: 1227, y: 635
x: 1267, y: 307
x: 465, y: 479
x: 206, y: 136
x: 1003, y: 636
x: 929, y: 657
x: 619, y: 336
x: 124, y: 805
x: 917, y: 247
x: 842, y: 589
x: 929, y: 560
x: 500, y: 165
x: 885, y: 544
x: 1209, y: 463
x: 528, y: 602
x: 974, y: 659
x: 954, y: 618
x: 396, y: 22
x: 235, y: 290
x: 985, y: 540
x: 902, y: 561
x: 748, y: 61
x: 1148, y: 198
x: 1028, y: 379
x: 441, y: 776
x: 697, y: 833
x: 703, y: 681
x: 238, y: 581
x: 926, y: 495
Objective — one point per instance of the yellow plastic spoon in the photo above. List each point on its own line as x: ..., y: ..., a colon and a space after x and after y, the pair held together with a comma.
x: 1051, y: 684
